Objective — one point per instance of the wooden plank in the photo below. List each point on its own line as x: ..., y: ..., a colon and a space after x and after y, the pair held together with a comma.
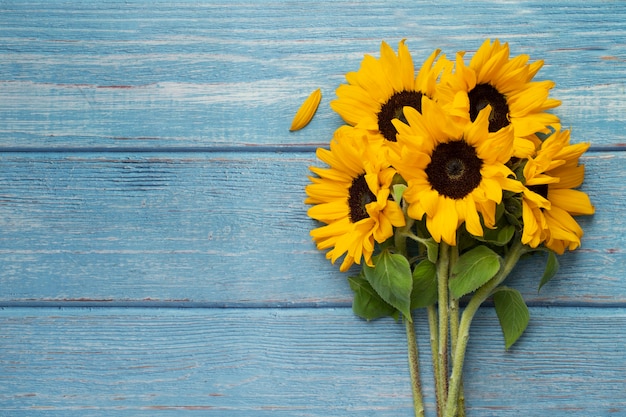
x: 224, y: 229
x: 146, y: 74
x: 296, y: 362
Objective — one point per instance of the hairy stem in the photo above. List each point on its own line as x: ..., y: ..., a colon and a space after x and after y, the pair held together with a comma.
x: 475, y: 302
x: 411, y: 339
x: 418, y: 401
x: 434, y: 350
x: 443, y: 265
x: 454, y: 329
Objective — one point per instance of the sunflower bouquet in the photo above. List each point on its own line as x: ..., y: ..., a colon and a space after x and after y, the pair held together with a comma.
x: 436, y: 186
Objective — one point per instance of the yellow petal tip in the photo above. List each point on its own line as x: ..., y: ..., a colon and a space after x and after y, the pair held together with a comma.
x: 306, y: 111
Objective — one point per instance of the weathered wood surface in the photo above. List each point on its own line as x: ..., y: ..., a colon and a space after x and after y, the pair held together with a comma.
x: 154, y: 248
x: 211, y: 74
x: 225, y: 229
x: 296, y: 362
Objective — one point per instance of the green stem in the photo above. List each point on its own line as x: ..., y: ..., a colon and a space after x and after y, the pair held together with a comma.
x: 454, y: 329
x: 434, y: 350
x: 401, y: 234
x: 409, y: 234
x: 516, y: 251
x: 418, y: 401
x: 453, y: 303
x: 411, y: 339
x: 443, y: 264
x: 454, y: 334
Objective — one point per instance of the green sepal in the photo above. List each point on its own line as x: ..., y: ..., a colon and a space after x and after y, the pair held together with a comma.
x: 499, y: 236
x: 512, y: 208
x: 391, y: 278
x: 499, y: 213
x: 397, y: 190
x: 424, y: 291
x: 432, y: 249
x: 367, y: 303
x: 552, y: 267
x: 386, y: 244
x: 512, y: 313
x: 472, y: 270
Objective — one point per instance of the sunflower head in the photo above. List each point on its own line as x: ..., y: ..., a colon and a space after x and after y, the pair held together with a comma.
x: 454, y: 172
x: 550, y: 198
x: 352, y: 198
x: 494, y: 79
x: 382, y: 87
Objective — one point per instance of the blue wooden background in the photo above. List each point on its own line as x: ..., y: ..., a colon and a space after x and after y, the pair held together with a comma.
x: 154, y: 248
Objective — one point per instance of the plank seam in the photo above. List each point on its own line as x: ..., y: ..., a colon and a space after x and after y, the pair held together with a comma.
x: 257, y: 305
x: 212, y: 149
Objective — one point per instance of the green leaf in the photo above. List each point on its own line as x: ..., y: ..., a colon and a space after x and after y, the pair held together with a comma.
x: 392, y: 279
x: 367, y: 303
x: 499, y: 236
x: 424, y: 285
x: 472, y: 270
x: 512, y: 313
x: 552, y: 267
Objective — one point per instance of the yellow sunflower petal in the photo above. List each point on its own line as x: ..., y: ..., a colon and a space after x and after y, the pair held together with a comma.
x: 570, y: 177
x: 335, y: 228
x: 532, y: 233
x: 442, y: 226
x: 472, y: 221
x: 492, y: 189
x: 459, y: 108
x: 426, y: 78
x: 394, y: 213
x: 488, y: 209
x: 392, y: 70
x: 428, y: 199
x: 535, y: 200
x: 562, y: 226
x: 369, y: 74
x: 523, y: 148
x: 306, y: 111
x: 572, y: 152
x: 573, y: 201
x: 328, y: 212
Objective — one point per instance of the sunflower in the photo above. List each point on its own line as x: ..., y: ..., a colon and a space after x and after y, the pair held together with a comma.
x: 377, y: 93
x: 352, y: 198
x: 453, y: 172
x: 549, y: 199
x: 492, y: 78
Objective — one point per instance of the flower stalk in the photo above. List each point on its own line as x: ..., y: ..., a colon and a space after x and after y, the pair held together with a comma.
x: 510, y: 260
x: 433, y: 323
x: 443, y: 265
x: 453, y: 306
x: 418, y: 400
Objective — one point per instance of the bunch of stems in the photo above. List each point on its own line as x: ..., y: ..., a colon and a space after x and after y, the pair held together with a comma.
x: 450, y: 330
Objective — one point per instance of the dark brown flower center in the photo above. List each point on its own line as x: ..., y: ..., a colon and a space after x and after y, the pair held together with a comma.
x: 393, y: 109
x: 486, y: 94
x: 359, y: 195
x: 454, y: 169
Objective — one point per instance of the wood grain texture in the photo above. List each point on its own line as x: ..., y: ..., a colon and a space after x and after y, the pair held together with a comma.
x: 296, y: 362
x: 206, y: 74
x: 223, y: 229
